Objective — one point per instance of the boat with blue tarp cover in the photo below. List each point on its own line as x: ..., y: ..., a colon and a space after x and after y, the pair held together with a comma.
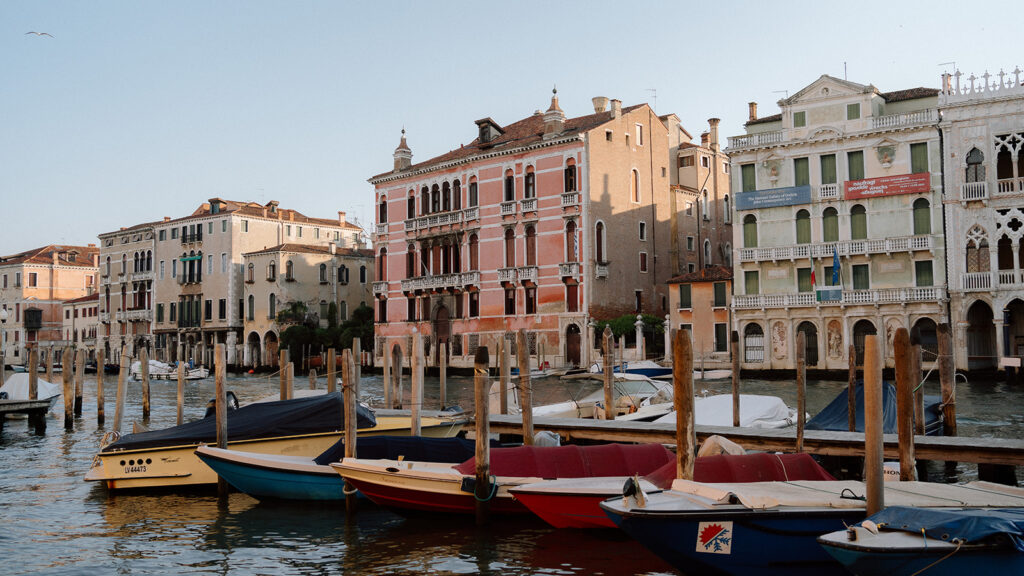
x: 835, y: 416
x: 901, y: 541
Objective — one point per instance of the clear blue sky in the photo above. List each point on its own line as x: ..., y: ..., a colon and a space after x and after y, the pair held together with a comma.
x: 136, y: 110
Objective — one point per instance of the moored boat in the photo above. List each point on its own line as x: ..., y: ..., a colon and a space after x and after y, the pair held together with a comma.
x: 16, y: 388
x: 161, y: 371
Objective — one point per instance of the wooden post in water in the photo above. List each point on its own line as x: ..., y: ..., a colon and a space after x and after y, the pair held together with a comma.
x: 49, y: 365
x: 289, y: 387
x: 905, y: 381
x: 801, y: 388
x: 332, y: 368
x: 609, y: 349
x: 122, y: 390
x: 622, y: 354
x: 443, y: 373
x: 525, y: 389
x: 946, y: 379
x: 357, y: 365
x: 396, y: 378
x: 873, y: 448
x: 67, y: 373
x: 100, y: 358
x: 79, y: 381
x: 915, y: 374
x: 483, y: 432
x: 386, y: 375
x: 312, y: 378
x: 682, y: 380
x: 351, y: 430
x: 851, y: 390
x: 417, y: 385
x: 144, y: 368
x: 282, y: 363
x: 181, y: 391
x: 735, y: 342
x: 506, y: 371
x: 33, y: 373
x: 221, y: 408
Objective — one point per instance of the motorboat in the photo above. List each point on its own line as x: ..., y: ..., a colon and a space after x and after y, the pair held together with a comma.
x: 286, y: 477
x: 16, y: 388
x: 575, y: 502
x: 162, y: 371
x: 770, y: 528
x: 433, y: 487
x: 652, y: 369
x: 835, y: 416
x: 632, y: 393
x: 298, y: 427
x: 756, y: 411
x: 901, y: 541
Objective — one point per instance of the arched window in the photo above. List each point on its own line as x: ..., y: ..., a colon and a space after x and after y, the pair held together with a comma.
x: 435, y: 198
x: 858, y: 222
x: 410, y: 261
x: 728, y: 255
x: 382, y: 265
x: 252, y: 308
x: 803, y: 227
x: 124, y: 263
x: 530, y: 183
x: 289, y: 270
x: 323, y: 273
x: 599, y: 243
x: 510, y: 186
x: 634, y: 186
x: 510, y: 248
x: 149, y: 260
x: 975, y: 169
x: 410, y: 205
x: 382, y: 212
x: 362, y: 274
x: 251, y: 274
x: 703, y: 205
x: 425, y: 261
x: 446, y: 197
x: 531, y: 246
x: 272, y: 270
x: 570, y: 175
x: 199, y: 265
x: 571, y: 250
x: 273, y: 307
x: 135, y: 262
x: 830, y: 225
x: 727, y: 215
x: 474, y: 199
x: 456, y: 195
x: 749, y: 231
x: 108, y: 265
x: 424, y: 200
x: 323, y: 309
x: 474, y: 252
x: 707, y: 252
x: 343, y: 274
x: 922, y: 217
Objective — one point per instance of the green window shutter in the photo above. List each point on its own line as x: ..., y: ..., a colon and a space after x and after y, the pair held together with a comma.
x: 828, y: 169
x: 922, y: 217
x: 856, y: 162
x: 858, y: 223
x: 861, y: 280
x: 803, y: 227
x: 159, y: 312
x: 803, y: 279
x: 923, y: 268
x: 750, y: 233
x: 750, y: 283
x: 827, y: 278
x: 684, y: 296
x: 721, y: 338
x: 919, y: 157
x: 748, y: 180
x: 719, y: 294
x: 801, y: 172
x: 830, y: 226
x: 799, y: 119
x: 852, y: 111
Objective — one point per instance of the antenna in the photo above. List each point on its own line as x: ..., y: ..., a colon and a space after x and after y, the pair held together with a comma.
x: 844, y: 70
x: 786, y: 92
x: 947, y: 63
x: 654, y: 97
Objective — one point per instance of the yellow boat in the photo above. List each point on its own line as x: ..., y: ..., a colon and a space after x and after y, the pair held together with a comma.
x: 298, y: 427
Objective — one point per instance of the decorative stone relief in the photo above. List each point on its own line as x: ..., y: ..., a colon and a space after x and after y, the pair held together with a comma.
x: 779, y: 340
x: 835, y: 339
x: 891, y: 326
x: 885, y: 155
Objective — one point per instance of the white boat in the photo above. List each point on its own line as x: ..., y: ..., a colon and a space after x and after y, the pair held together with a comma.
x: 16, y: 388
x: 161, y: 371
x: 652, y: 369
x: 756, y: 411
x: 633, y: 393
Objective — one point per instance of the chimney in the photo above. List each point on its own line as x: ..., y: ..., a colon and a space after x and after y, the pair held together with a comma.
x: 554, y: 118
x: 753, y: 111
x: 714, y: 132
x: 56, y: 255
x: 91, y: 245
x: 167, y: 218
x: 341, y: 218
x: 616, y: 108
x: 291, y: 215
x: 704, y: 137
x: 600, y: 104
x: 95, y: 259
x: 402, y: 155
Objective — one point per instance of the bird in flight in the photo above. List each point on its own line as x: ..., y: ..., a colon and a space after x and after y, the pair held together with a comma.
x: 40, y: 34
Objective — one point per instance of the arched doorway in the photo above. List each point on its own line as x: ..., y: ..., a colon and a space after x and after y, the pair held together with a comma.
x: 572, y: 344
x: 810, y: 332
x: 270, y: 348
x: 253, y: 345
x: 926, y: 333
x: 753, y: 343
x: 981, y: 336
x: 442, y: 332
x: 1014, y: 328
x: 862, y: 329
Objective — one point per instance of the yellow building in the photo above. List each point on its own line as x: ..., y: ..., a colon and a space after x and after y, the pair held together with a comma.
x: 700, y: 303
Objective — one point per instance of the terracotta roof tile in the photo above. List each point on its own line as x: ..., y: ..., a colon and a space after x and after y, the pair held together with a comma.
x: 909, y: 94
x: 312, y: 249
x: 44, y: 256
x: 709, y: 274
x: 765, y: 120
x: 79, y: 300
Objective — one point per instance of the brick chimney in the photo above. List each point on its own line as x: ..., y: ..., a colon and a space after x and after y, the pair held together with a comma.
x: 341, y: 218
x: 55, y: 255
x: 167, y: 218
x: 704, y: 138
x: 616, y: 108
x: 600, y: 104
x: 752, y: 107
x: 713, y: 122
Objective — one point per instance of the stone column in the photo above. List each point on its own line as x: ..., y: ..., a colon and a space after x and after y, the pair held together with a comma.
x: 639, y: 324
x: 1000, y: 328
x: 668, y: 337
x: 231, y: 343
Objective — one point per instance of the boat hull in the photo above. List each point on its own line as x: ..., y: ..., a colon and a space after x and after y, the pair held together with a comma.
x: 568, y: 510
x: 291, y: 479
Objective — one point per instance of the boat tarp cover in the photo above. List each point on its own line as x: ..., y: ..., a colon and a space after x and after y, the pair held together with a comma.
x: 298, y: 416
x: 946, y: 524
x: 574, y: 461
x: 834, y: 416
x: 758, y: 467
x: 410, y: 448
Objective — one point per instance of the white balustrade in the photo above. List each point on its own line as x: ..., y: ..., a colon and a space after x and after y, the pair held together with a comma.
x: 977, y: 281
x: 528, y: 273
x: 508, y: 208
x: 1010, y: 186
x: 570, y: 199
x: 471, y: 214
x: 974, y: 191
x: 844, y: 248
x: 759, y: 139
x: 506, y: 274
x: 601, y: 271
x: 528, y: 205
x: 909, y: 118
x: 380, y: 287
x: 1010, y: 277
x: 849, y: 297
x: 569, y: 269
x: 828, y: 191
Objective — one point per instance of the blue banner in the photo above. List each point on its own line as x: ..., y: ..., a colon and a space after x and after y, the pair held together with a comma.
x: 773, y: 197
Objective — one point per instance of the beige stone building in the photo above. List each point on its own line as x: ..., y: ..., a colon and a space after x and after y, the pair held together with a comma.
x: 81, y: 321
x: 127, y: 271
x: 313, y: 275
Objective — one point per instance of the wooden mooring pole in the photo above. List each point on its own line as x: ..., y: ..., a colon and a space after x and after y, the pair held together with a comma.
x: 525, y: 390
x: 181, y: 391
x: 905, y: 382
x: 122, y: 390
x: 947, y: 380
x: 609, y: 382
x: 396, y: 379
x: 282, y: 363
x: 312, y: 378
x: 801, y: 388
x: 504, y: 371
x: 915, y: 376
x: 289, y: 385
x: 735, y: 342
x: 67, y: 373
x: 79, y: 381
x: 682, y: 379
x: 417, y: 385
x: 351, y: 426
x: 49, y: 365
x: 332, y: 369
x: 873, y: 447
x: 144, y: 361
x: 851, y: 389
x: 443, y: 374
x: 100, y: 363
x: 483, y: 433
x: 221, y: 408
x: 357, y: 364
x: 33, y: 373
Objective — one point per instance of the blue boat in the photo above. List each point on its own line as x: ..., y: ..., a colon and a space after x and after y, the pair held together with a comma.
x: 770, y: 528
x: 273, y: 476
x: 900, y: 541
x: 835, y: 416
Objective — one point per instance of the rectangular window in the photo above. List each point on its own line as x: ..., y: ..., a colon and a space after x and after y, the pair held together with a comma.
x: 689, y: 208
x: 801, y: 172
x: 750, y: 282
x: 721, y: 337
x: 643, y: 261
x: 828, y: 169
x: 161, y: 269
x: 684, y: 296
x: 827, y: 280
x: 174, y: 310
x: 572, y: 298
x: 853, y: 111
x: 5, y: 280
x: 209, y: 264
x: 208, y: 310
x: 719, y: 300
x: 531, y: 300
x: 688, y: 328
x: 608, y: 135
x: 510, y: 301
x: 223, y: 225
x: 474, y: 304
x: 855, y: 162
x: 245, y: 225
x: 241, y: 309
x: 704, y: 162
x: 643, y: 231
x: 17, y: 279
x: 209, y: 227
x: 222, y: 309
x: 690, y: 268
x: 639, y: 134
x: 162, y: 235
x: 287, y: 229
x: 174, y: 233
x: 32, y: 279
x: 685, y: 161
x: 411, y: 309
x: 689, y: 243
x: 159, y: 312
x: 174, y: 268
x: 223, y: 263
x: 799, y: 119
x: 747, y: 178
x: 919, y: 158
x: 923, y: 272
x: 803, y: 279
x: 300, y: 231
x: 861, y: 280
x: 725, y: 167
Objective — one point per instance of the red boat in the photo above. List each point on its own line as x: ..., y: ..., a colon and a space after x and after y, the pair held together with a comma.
x: 574, y: 503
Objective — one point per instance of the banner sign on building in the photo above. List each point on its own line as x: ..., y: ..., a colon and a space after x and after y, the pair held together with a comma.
x: 888, y: 186
x: 773, y: 197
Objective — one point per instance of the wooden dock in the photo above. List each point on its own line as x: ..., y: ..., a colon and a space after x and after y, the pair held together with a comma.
x: 35, y: 410
x: 998, y: 451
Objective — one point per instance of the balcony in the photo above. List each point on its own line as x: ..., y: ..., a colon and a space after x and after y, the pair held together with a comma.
x: 433, y: 221
x: 508, y: 208
x: 528, y: 205
x: 105, y: 317
x: 844, y: 248
x: 380, y: 287
x: 928, y: 116
x: 1010, y: 186
x: 527, y: 274
x: 973, y: 281
x: 191, y: 238
x: 382, y: 229
x: 1010, y: 278
x: 471, y: 214
x: 142, y: 276
x: 973, y: 191
x: 828, y: 191
x: 440, y: 281
x: 849, y: 297
x: 141, y: 315
x: 507, y: 274
x: 569, y: 269
x: 754, y: 140
x: 601, y: 271
x: 570, y: 199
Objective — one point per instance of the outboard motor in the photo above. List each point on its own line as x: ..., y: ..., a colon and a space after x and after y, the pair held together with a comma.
x: 211, y: 406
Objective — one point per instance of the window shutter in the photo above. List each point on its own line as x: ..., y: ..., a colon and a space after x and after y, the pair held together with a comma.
x: 828, y: 169
x: 801, y: 172
x: 856, y: 161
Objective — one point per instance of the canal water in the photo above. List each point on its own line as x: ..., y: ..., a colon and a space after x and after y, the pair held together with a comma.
x: 52, y: 522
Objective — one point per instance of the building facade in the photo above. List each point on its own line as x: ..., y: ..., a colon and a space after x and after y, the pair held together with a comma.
x: 700, y: 303
x: 126, y: 290
x: 33, y: 286
x: 983, y: 133
x: 310, y: 276
x: 838, y: 202
x: 81, y: 323
x: 532, y: 226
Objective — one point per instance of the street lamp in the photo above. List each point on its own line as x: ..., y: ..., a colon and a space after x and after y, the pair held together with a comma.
x: 3, y: 343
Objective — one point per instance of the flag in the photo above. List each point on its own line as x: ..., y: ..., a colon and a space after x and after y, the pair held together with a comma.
x: 835, y: 266
x: 812, y: 275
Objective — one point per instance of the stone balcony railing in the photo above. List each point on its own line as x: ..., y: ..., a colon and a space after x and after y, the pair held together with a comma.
x: 380, y: 287
x: 508, y: 208
x: 844, y: 248
x: 1010, y: 186
x: 141, y: 315
x: 927, y: 116
x: 105, y: 317
x: 759, y: 139
x: 528, y: 205
x: 849, y: 297
x: 382, y: 229
x: 980, y: 87
x: 471, y: 214
x: 909, y: 119
x: 433, y: 220
x: 441, y: 281
x: 527, y: 274
x: 601, y: 271
x: 828, y: 191
x: 569, y: 269
x: 570, y: 199
x: 986, y: 281
x: 973, y: 191
x: 142, y: 276
x: 507, y: 274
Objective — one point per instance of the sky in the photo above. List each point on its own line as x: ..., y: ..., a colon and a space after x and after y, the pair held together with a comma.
x: 136, y: 110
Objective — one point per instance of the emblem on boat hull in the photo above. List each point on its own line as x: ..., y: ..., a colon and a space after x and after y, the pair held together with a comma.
x: 714, y: 537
